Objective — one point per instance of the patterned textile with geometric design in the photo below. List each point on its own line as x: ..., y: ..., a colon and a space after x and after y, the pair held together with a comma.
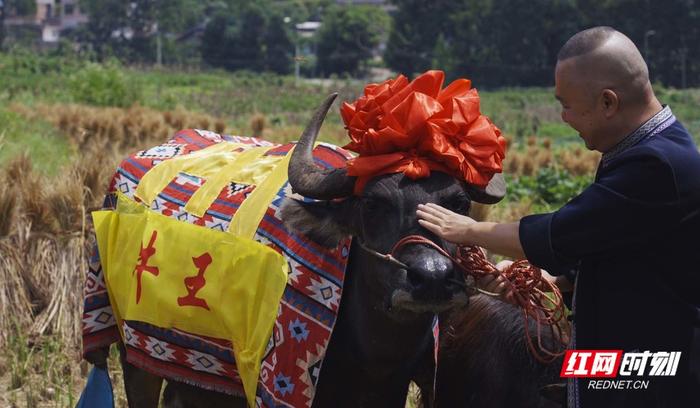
x: 307, y: 311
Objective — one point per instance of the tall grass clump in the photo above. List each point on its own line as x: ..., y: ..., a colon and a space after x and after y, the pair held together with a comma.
x: 257, y: 124
x: 42, y: 248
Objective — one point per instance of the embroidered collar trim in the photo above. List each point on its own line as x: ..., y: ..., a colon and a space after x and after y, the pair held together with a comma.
x: 656, y: 124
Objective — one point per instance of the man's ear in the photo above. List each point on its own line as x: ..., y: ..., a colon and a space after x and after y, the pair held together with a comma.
x: 611, y: 103
x: 324, y: 222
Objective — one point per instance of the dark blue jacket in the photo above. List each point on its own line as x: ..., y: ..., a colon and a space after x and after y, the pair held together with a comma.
x: 632, y: 241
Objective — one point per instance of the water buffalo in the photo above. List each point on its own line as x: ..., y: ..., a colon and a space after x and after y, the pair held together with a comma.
x: 383, y: 335
x: 484, y: 361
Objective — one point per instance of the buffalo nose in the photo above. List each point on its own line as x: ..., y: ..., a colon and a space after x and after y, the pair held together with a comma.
x: 432, y: 278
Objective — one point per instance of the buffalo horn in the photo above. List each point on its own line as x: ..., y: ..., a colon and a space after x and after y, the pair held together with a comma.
x: 308, y: 179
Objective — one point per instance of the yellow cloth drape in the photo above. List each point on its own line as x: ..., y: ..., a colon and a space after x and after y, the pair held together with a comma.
x: 176, y: 275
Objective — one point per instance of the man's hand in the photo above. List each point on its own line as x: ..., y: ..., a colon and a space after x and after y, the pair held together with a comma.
x: 498, y: 238
x: 561, y: 282
x: 444, y: 223
x: 496, y: 283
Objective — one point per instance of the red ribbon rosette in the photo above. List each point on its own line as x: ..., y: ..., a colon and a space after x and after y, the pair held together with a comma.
x: 415, y: 127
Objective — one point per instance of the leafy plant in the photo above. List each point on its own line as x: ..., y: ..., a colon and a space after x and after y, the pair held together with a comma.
x: 549, y: 186
x: 104, y: 85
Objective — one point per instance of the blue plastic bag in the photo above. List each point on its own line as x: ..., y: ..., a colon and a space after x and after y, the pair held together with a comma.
x: 98, y: 390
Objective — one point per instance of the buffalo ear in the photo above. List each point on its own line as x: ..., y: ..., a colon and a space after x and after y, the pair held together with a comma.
x: 492, y: 193
x: 324, y: 222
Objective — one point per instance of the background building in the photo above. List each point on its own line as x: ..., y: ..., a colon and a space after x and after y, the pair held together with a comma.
x: 55, y: 16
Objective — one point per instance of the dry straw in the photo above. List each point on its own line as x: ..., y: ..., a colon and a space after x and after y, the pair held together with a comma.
x: 257, y: 124
x: 42, y: 256
x: 528, y: 160
x: 117, y: 130
x: 15, y: 300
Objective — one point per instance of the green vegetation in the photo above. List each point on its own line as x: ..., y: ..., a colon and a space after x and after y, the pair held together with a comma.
x: 30, y: 79
x: 39, y: 370
x: 549, y: 189
x: 43, y: 143
x: 103, y: 85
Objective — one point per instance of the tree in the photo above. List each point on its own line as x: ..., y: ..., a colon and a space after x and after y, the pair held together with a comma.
x: 19, y: 7
x: 128, y: 29
x: 216, y: 38
x: 247, y: 52
x: 235, y: 41
x: 11, y: 8
x: 104, y: 30
x: 2, y: 23
x: 417, y: 25
x: 515, y: 45
x: 248, y: 38
x: 667, y: 33
x: 515, y: 42
x: 348, y: 37
x: 278, y: 47
x: 442, y: 55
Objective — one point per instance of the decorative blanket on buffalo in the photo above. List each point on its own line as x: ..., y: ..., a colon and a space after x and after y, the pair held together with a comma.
x: 205, y: 208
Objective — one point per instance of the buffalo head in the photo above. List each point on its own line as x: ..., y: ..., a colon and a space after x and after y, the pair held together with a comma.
x: 377, y: 219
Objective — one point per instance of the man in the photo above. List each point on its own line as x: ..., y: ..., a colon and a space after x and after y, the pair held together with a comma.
x: 629, y: 240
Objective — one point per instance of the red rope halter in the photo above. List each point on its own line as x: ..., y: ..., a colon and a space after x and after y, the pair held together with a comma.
x: 528, y: 289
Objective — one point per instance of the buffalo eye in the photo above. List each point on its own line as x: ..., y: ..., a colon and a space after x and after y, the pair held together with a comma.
x: 459, y: 204
x: 374, y: 205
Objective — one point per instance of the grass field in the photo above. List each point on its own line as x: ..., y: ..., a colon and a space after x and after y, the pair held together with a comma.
x: 65, y: 123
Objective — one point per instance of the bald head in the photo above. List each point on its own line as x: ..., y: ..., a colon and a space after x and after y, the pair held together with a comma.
x: 603, y: 85
x: 603, y: 58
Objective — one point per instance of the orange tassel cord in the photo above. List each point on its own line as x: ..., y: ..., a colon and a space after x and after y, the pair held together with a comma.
x: 529, y: 292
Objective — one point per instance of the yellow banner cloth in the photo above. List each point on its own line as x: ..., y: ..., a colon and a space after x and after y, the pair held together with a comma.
x: 176, y: 275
